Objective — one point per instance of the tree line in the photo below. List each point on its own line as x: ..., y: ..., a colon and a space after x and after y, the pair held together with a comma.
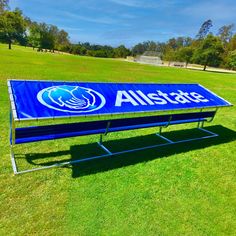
x: 205, y: 48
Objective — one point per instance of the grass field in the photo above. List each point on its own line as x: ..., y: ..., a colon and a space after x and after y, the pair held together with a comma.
x: 186, y: 189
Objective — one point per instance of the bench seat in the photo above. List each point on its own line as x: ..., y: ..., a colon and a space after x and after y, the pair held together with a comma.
x: 50, y: 132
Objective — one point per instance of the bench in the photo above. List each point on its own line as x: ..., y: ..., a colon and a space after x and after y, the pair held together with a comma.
x: 103, y: 127
x: 50, y: 132
x: 178, y: 64
x: 170, y: 104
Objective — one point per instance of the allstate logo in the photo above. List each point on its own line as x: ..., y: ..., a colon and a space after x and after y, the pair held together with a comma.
x: 68, y: 98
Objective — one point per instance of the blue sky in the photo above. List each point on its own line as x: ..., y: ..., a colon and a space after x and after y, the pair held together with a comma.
x: 128, y: 22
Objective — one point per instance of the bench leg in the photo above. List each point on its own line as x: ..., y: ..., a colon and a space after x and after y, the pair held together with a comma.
x: 161, y: 136
x: 62, y: 164
x: 199, y: 126
x: 13, y: 161
x: 102, y: 146
x: 166, y: 139
x: 212, y: 134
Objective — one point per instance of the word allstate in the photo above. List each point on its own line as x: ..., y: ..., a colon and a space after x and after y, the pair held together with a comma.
x: 137, y: 98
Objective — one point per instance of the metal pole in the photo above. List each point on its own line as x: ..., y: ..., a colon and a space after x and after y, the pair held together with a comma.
x: 199, y: 122
x: 100, y: 140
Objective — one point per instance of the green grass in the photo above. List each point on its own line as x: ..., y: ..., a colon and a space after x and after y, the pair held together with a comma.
x: 187, y: 189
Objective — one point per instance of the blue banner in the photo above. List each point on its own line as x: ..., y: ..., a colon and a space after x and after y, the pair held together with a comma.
x: 45, y: 99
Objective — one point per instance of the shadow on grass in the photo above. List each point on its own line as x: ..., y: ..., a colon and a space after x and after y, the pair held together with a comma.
x: 117, y: 161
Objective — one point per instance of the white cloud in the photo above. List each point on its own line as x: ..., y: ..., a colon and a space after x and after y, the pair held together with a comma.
x: 73, y: 29
x: 209, y: 10
x: 129, y: 3
x: 99, y: 20
x: 144, y: 4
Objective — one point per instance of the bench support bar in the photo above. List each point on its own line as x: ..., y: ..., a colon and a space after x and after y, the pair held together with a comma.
x: 211, y: 135
x: 109, y: 153
x: 104, y: 148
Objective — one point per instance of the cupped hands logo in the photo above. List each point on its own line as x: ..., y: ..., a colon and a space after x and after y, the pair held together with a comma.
x: 67, y: 98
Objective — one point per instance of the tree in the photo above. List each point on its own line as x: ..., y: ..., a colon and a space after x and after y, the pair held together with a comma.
x: 151, y: 46
x: 139, y: 49
x: 204, y: 30
x: 62, y: 39
x: 172, y: 43
x: 4, y: 5
x: 122, y: 51
x: 169, y: 55
x: 209, y: 52
x: 231, y: 46
x: 47, y: 38
x: 12, y: 27
x: 34, y: 36
x: 78, y: 49
x: 43, y: 36
x: 187, y: 41
x: 225, y: 33
x: 52, y: 36
x: 231, y: 60
x: 185, y: 54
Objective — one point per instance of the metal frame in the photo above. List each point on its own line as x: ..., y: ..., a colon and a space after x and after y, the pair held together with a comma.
x: 14, y: 118
x: 108, y: 152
